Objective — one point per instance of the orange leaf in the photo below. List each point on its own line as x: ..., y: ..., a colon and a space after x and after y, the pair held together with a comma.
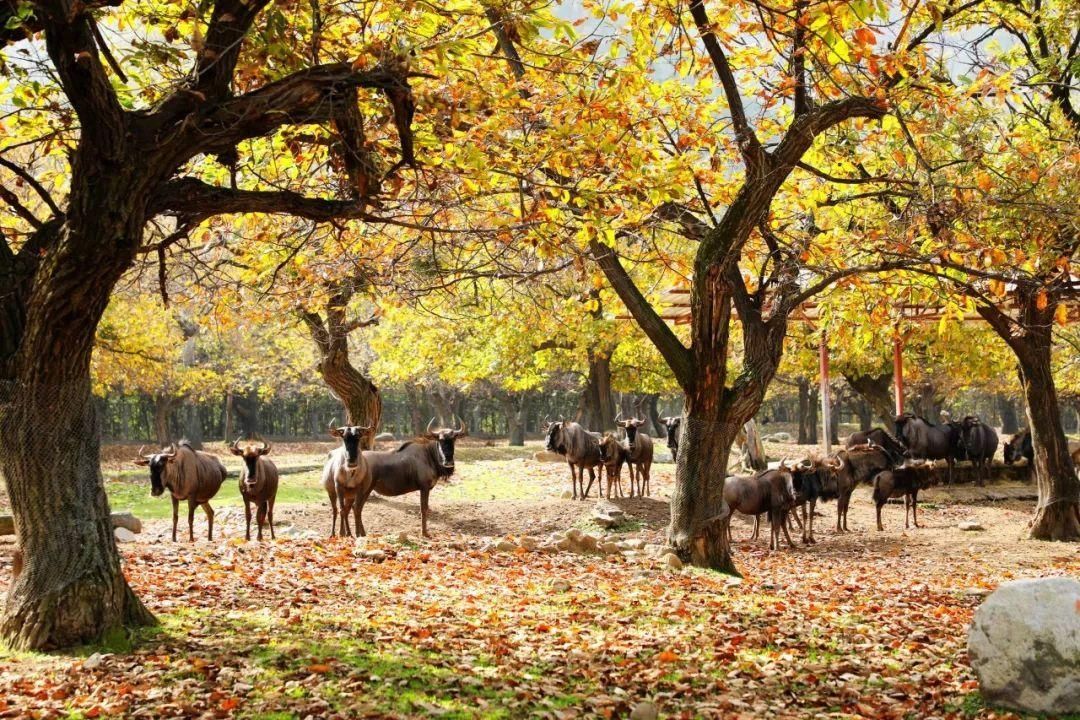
x: 319, y: 668
x: 1061, y: 317
x: 1041, y: 301
x: 667, y: 656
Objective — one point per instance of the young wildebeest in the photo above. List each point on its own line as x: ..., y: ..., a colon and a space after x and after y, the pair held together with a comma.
x: 346, y: 478
x: 582, y: 451
x: 188, y: 475
x: 859, y: 465
x: 639, y: 448
x: 812, y: 478
x: 614, y: 456
x: 771, y: 491
x: 978, y: 443
x: 905, y: 481
x: 415, y: 465
x: 672, y: 424
x: 928, y: 442
x: 258, y: 484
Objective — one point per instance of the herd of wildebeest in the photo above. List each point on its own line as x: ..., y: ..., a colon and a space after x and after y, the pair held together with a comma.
x: 896, y: 466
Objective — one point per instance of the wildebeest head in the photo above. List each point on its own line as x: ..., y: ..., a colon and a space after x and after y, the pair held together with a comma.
x: 630, y: 427
x: 251, y: 453
x: 672, y: 424
x: 555, y: 442
x: 1018, y: 447
x: 609, y: 448
x: 901, y: 423
x: 351, y: 436
x: 445, y: 439
x: 786, y: 485
x: 157, y: 463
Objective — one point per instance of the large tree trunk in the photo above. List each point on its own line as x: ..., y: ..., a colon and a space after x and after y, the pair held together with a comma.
x: 813, y: 421
x: 1010, y: 423
x: 516, y: 408
x: 596, y: 408
x: 246, y: 409
x: 415, y: 395
x: 163, y: 407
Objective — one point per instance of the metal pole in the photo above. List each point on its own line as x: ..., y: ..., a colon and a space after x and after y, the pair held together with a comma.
x: 898, y: 371
x: 823, y: 354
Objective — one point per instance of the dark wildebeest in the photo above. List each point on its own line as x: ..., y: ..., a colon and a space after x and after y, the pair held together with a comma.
x: 770, y: 491
x: 905, y: 481
x: 189, y: 475
x: 672, y: 424
x: 258, y: 484
x: 1019, y: 446
x: 978, y: 443
x: 346, y: 478
x: 582, y: 451
x: 881, y: 438
x: 416, y: 465
x: 859, y: 464
x: 639, y: 445
x: 614, y: 455
x: 812, y: 478
x: 924, y: 441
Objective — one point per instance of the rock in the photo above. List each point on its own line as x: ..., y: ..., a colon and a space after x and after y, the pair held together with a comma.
x: 505, y: 546
x: 970, y: 526
x: 588, y: 543
x: 373, y: 555
x: 566, y: 495
x: 779, y: 437
x: 124, y: 535
x: 566, y: 545
x: 644, y: 710
x: 529, y: 543
x: 672, y: 561
x: 560, y: 585
x: 384, y: 437
x: 574, y: 534
x: 609, y: 548
x: 605, y: 521
x: 977, y: 592
x: 606, y: 508
x: 655, y: 550
x: 127, y: 520
x: 402, y: 537
x: 1024, y: 645
x: 93, y: 662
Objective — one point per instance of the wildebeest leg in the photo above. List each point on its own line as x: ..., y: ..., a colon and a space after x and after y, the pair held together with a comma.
x: 842, y: 504
x: 175, y: 516
x: 573, y: 478
x: 915, y: 507
x: 347, y: 501
x: 424, y: 510
x: 209, y: 519
x: 782, y: 519
x: 333, y: 512
x: 191, y: 505
x: 879, y: 506
x: 270, y: 516
x: 592, y: 478
x: 247, y: 519
x: 950, y: 463
x: 360, y: 510
x: 648, y: 476
x: 260, y: 517
x: 757, y: 526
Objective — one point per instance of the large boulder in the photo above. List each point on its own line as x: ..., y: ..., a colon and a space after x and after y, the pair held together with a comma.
x: 1024, y: 644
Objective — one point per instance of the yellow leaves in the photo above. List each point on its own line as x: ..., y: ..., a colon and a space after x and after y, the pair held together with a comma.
x: 997, y: 288
x: 984, y: 181
x: 1061, y: 315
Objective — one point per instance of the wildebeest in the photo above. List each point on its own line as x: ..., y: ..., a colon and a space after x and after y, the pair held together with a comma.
x: 189, y: 475
x: 582, y: 451
x: 639, y: 447
x: 855, y: 465
x: 812, y: 478
x: 1018, y: 447
x: 346, y: 477
x: 978, y: 443
x: 613, y: 455
x: 924, y: 441
x: 879, y: 437
x: 770, y: 491
x: 673, y: 425
x: 416, y: 465
x: 258, y: 484
x: 905, y: 481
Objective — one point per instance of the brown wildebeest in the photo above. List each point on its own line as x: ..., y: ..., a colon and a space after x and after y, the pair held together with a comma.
x: 416, y: 465
x: 879, y: 437
x: 905, y: 481
x: 614, y: 456
x: 978, y: 443
x: 188, y: 475
x: 258, y: 484
x: 770, y: 491
x: 582, y: 451
x: 672, y: 424
x: 811, y: 477
x: 924, y: 441
x: 346, y: 478
x: 639, y: 447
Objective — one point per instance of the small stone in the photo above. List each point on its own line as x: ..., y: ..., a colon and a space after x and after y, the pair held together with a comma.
x: 574, y: 534
x: 605, y: 521
x: 588, y: 543
x: 609, y: 548
x: 374, y: 555
x: 732, y: 581
x: 644, y: 710
x: 977, y: 592
x: 655, y: 550
x: 970, y: 526
x: 124, y: 535
x: 528, y: 542
x: 93, y: 662
x: 560, y: 585
x: 403, y: 537
x: 566, y: 545
x: 505, y: 546
x: 604, y: 507
x: 672, y: 561
x: 566, y: 495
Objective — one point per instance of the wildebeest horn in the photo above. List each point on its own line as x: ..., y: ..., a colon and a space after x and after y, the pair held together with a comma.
x: 838, y: 465
x: 265, y: 445
x: 783, y: 464
x: 618, y: 415
x: 172, y: 450
x: 462, y: 431
x: 141, y: 448
x: 430, y: 423
x: 805, y: 464
x: 236, y: 444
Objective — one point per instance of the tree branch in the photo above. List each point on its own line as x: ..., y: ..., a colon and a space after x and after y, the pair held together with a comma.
x: 33, y: 183
x: 194, y: 200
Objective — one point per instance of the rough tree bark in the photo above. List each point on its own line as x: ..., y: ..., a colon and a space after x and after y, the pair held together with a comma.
x: 1010, y: 423
x: 876, y: 390
x: 596, y: 406
x: 516, y: 409
x: 804, y: 411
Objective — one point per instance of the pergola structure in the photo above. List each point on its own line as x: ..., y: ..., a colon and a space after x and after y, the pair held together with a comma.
x: 676, y: 309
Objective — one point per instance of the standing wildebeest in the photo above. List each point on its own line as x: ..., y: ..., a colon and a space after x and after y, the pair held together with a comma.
x: 879, y: 437
x: 812, y: 479
x: 614, y: 455
x: 905, y: 481
x: 346, y: 478
x: 188, y: 475
x: 1021, y: 446
x: 672, y: 424
x: 928, y: 442
x: 415, y: 465
x: 855, y: 465
x: 640, y: 448
x: 258, y: 484
x: 770, y: 491
x: 582, y: 451
x: 978, y: 443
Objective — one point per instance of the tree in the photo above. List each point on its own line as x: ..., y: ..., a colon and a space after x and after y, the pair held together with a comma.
x: 136, y: 157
